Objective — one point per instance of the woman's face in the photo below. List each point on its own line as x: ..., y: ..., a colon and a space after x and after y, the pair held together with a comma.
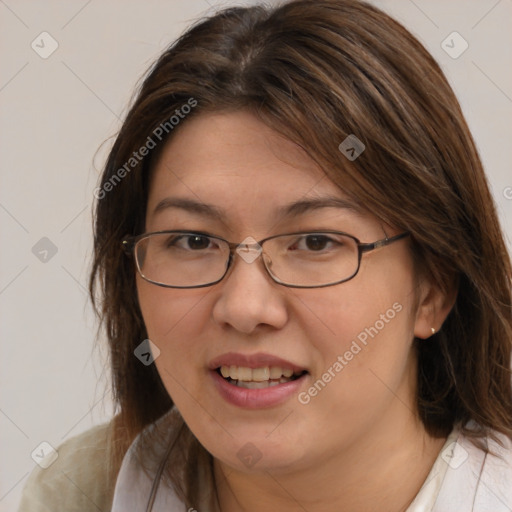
x: 353, y: 340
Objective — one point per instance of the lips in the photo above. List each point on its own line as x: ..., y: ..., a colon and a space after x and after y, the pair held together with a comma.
x: 258, y: 380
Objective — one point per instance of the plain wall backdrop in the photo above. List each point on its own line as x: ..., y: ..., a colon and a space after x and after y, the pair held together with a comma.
x: 57, y: 109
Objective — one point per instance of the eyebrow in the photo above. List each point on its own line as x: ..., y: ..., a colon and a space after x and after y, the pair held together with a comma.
x: 306, y: 205
x: 290, y: 210
x: 189, y: 205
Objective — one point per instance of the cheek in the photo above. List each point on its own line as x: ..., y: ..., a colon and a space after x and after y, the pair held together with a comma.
x: 163, y: 309
x: 173, y: 319
x: 354, y: 311
x: 364, y: 337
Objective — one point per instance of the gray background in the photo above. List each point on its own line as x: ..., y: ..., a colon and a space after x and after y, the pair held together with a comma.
x: 56, y: 112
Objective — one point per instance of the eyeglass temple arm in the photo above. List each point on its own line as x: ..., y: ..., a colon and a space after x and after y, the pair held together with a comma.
x: 383, y: 242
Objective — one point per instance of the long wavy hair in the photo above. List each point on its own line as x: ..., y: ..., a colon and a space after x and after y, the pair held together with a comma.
x: 317, y: 72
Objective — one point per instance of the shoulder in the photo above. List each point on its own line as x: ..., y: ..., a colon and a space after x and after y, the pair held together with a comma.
x: 77, y: 481
x: 139, y: 480
x: 494, y: 491
x: 477, y: 479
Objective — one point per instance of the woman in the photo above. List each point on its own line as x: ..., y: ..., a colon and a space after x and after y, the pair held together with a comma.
x: 302, y: 277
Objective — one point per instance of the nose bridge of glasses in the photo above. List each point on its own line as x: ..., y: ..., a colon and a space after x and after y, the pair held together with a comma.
x: 249, y: 249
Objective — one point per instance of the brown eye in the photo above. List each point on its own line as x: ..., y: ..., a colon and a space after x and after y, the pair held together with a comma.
x: 316, y: 242
x: 197, y: 242
x: 192, y: 242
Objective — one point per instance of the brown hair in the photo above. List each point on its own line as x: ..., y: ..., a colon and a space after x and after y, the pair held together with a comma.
x: 317, y: 72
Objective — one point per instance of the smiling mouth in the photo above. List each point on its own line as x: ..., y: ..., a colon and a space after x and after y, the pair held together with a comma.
x: 258, y: 378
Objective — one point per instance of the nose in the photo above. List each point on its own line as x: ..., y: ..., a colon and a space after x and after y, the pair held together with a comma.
x: 249, y: 298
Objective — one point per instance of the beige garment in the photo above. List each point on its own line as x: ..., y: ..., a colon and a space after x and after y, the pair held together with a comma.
x: 76, y: 481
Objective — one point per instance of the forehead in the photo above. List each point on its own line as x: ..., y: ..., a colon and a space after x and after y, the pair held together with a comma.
x: 237, y: 145
x: 237, y: 163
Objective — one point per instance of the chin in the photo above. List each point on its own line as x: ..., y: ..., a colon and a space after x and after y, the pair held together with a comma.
x: 255, y: 452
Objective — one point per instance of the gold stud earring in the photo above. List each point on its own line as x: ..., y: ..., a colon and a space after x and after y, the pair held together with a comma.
x: 433, y: 330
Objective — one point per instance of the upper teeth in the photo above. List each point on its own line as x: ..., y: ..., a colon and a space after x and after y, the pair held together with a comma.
x: 255, y: 374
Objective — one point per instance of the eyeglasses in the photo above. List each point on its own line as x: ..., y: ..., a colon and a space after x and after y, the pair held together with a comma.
x: 183, y: 259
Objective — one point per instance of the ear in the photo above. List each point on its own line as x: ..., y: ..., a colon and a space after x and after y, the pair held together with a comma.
x: 434, y: 305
